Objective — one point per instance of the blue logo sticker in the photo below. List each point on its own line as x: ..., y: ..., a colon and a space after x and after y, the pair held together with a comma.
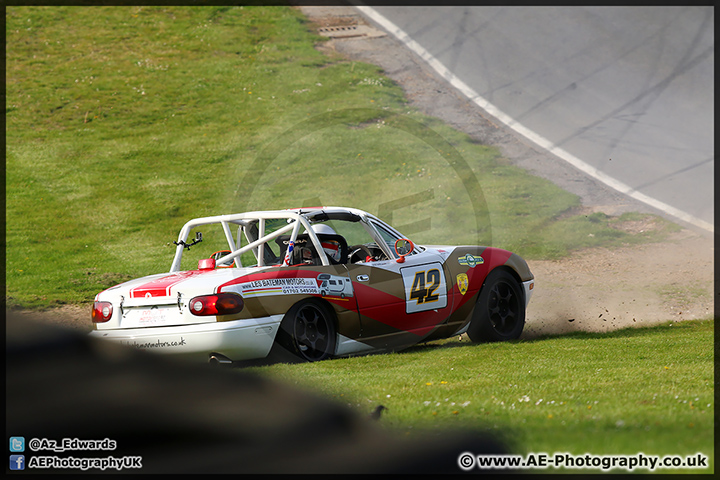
x: 471, y: 260
x: 17, y: 444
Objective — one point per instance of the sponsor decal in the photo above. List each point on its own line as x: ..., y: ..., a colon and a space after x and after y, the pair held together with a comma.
x: 334, y: 285
x: 157, y: 344
x: 471, y: 260
x: 324, y: 284
x: 280, y: 286
x: 462, y: 283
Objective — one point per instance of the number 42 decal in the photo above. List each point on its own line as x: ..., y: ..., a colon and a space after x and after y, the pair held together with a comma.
x: 425, y: 287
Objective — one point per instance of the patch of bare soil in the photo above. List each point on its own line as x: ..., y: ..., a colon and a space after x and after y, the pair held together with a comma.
x: 76, y: 317
x: 603, y: 289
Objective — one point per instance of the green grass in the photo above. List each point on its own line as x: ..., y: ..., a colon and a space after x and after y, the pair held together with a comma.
x: 648, y: 390
x: 122, y: 123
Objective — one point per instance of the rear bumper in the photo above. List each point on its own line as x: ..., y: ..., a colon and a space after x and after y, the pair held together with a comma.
x: 236, y: 340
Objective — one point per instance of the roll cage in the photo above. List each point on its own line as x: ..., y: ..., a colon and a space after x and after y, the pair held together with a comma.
x: 253, y: 225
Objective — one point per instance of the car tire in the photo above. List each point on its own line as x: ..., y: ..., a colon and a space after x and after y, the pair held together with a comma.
x: 308, y: 331
x: 499, y: 313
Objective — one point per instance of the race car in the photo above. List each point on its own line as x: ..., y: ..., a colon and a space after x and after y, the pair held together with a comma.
x: 317, y: 282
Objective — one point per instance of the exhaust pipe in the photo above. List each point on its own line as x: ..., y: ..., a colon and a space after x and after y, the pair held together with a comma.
x: 217, y: 359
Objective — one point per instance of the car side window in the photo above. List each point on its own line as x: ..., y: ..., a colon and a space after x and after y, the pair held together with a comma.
x: 388, y: 238
x: 361, y: 241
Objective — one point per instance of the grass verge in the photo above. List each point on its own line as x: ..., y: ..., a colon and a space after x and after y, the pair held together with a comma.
x: 648, y: 390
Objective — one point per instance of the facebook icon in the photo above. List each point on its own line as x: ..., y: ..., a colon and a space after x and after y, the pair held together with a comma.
x: 17, y: 462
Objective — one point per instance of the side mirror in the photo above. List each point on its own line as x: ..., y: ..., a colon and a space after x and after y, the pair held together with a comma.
x: 403, y: 247
x: 217, y: 256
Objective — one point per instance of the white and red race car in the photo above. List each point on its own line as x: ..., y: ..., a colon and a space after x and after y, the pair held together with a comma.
x: 318, y: 282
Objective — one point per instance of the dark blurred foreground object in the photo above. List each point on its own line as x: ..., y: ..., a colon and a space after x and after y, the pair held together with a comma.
x: 183, y: 418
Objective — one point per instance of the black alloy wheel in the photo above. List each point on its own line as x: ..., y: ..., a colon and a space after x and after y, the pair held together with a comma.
x: 312, y: 330
x: 500, y: 310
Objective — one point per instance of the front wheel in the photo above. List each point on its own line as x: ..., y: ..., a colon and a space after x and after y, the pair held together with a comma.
x: 500, y: 309
x: 308, y: 331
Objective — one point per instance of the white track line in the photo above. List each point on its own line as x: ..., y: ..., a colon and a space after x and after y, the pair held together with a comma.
x: 523, y: 130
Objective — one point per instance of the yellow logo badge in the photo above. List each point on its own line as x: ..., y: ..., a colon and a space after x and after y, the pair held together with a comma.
x: 462, y: 283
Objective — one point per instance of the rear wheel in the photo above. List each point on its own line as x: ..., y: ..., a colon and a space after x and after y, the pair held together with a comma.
x: 308, y: 331
x: 500, y: 309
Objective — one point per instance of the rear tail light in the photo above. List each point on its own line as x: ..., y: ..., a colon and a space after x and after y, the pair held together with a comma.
x: 102, y: 312
x: 220, y: 304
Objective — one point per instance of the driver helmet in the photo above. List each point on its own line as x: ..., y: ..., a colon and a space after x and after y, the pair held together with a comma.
x: 331, y: 247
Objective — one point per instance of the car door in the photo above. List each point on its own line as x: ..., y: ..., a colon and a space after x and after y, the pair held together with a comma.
x: 400, y: 303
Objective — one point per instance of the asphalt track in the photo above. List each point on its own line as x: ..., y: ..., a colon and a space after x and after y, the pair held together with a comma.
x: 625, y: 94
